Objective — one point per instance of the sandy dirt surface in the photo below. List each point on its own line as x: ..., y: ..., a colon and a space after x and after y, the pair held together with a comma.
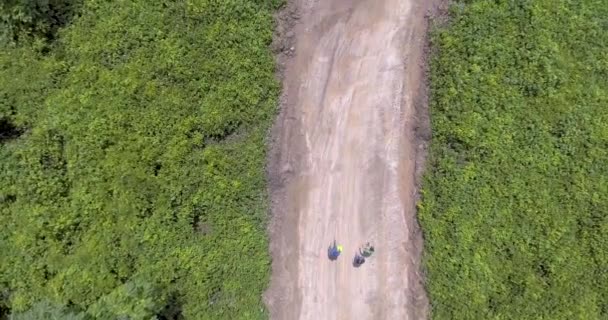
x: 343, y: 161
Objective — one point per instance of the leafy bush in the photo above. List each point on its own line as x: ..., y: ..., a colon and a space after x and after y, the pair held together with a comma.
x: 26, y: 18
x: 515, y: 200
x: 134, y: 183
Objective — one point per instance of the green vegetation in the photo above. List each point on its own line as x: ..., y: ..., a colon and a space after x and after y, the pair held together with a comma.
x: 20, y: 20
x: 515, y: 208
x: 132, y: 155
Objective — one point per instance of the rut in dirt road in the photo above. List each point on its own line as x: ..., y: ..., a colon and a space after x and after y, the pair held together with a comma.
x: 343, y: 164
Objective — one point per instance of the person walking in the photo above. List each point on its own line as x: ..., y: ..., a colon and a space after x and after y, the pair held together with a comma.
x: 333, y: 252
x: 367, y: 250
x: 358, y: 260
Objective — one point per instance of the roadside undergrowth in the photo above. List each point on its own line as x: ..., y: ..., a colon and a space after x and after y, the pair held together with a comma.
x: 132, y: 158
x: 515, y: 197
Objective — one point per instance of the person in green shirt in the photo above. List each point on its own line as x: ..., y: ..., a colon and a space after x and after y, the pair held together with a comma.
x: 367, y: 250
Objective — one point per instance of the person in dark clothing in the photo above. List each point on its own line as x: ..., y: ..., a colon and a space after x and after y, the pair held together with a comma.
x: 358, y: 260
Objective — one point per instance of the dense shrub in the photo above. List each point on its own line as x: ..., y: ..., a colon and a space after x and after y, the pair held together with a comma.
x: 515, y: 202
x: 135, y: 185
x: 23, y: 19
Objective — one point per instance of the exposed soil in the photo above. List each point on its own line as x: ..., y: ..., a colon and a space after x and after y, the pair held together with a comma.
x: 346, y: 150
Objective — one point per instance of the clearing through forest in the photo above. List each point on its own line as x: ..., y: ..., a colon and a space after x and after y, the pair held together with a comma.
x: 343, y: 164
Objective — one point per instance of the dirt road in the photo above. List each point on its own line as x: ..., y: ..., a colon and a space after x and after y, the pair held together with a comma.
x: 343, y: 163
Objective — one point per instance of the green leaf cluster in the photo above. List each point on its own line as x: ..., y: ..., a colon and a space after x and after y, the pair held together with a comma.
x: 23, y: 19
x: 515, y: 199
x: 132, y: 156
